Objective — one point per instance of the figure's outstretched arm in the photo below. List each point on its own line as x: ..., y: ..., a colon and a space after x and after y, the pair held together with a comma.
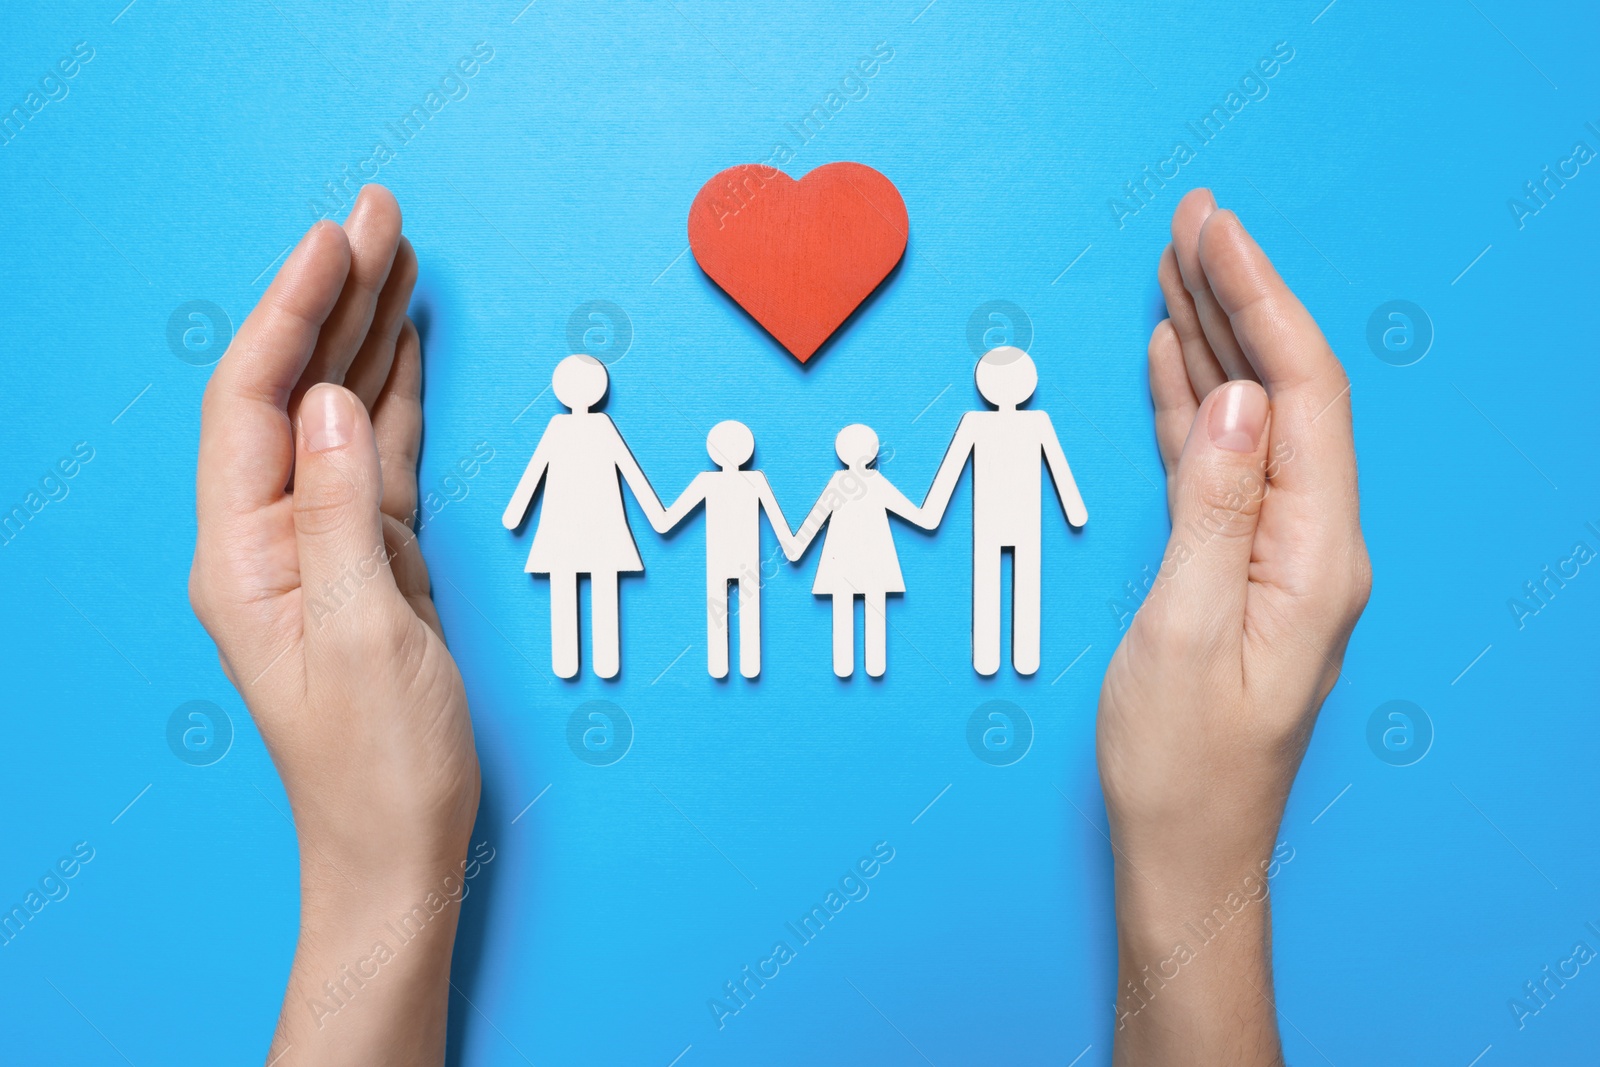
x: 1061, y: 474
x: 780, y: 525
x: 522, y: 499
x: 896, y: 502
x: 944, y: 483
x: 690, y: 499
x: 808, y: 529
x: 634, y: 476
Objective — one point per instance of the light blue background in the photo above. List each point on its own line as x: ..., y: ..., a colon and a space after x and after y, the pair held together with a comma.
x: 181, y: 165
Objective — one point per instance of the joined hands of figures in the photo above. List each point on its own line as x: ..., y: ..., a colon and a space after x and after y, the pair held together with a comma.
x: 581, y: 461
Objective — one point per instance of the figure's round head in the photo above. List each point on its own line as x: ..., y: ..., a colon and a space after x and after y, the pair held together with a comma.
x: 856, y: 445
x: 730, y: 444
x: 579, y: 382
x: 1006, y: 376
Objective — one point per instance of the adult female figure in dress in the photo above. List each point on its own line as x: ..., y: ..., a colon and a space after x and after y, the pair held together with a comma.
x: 583, y: 528
x: 858, y: 555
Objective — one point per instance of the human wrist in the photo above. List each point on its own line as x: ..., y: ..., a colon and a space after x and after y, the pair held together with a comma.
x: 381, y: 877
x: 1194, y: 972
x: 1194, y: 828
x: 406, y: 837
x: 333, y: 870
x: 1194, y: 958
x: 375, y: 948
x: 366, y: 971
x: 1161, y: 874
x: 401, y: 929
x: 1153, y: 921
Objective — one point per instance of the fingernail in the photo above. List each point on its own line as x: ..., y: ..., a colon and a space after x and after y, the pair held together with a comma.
x: 326, y: 420
x: 1238, y: 416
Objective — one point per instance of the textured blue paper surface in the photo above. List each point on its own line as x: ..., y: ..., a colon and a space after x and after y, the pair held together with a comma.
x: 180, y: 162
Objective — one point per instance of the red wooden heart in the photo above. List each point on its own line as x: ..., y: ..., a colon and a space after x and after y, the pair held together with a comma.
x: 799, y: 256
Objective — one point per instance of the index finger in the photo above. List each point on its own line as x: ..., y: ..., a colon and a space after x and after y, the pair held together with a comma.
x: 246, y: 449
x: 1308, y: 386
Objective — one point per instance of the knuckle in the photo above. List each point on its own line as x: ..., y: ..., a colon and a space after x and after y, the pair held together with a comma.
x: 400, y: 506
x: 1227, y: 506
x: 1286, y: 733
x: 1167, y: 635
x: 1341, y: 589
x: 407, y: 638
x: 1176, y: 626
x: 199, y: 601
x: 1360, y: 581
x: 227, y: 667
x: 380, y: 633
x: 323, y: 505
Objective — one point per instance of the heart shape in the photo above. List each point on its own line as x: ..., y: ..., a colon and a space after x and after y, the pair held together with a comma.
x: 799, y: 256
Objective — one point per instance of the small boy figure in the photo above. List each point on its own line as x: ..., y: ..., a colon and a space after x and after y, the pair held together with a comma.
x: 733, y: 542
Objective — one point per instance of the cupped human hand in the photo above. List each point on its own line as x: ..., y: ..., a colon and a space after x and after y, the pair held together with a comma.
x: 1209, y: 703
x: 308, y: 576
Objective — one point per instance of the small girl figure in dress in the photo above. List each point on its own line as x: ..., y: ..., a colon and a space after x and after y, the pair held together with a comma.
x: 858, y: 555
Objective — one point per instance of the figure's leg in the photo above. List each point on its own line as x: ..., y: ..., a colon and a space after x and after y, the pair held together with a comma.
x: 717, y: 626
x: 749, y: 625
x: 844, y: 634
x: 1025, y: 608
x: 564, y: 624
x: 603, y: 637
x: 877, y: 627
x: 985, y: 607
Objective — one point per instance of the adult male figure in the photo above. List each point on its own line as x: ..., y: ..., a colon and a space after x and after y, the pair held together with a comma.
x: 1007, y: 447
x: 734, y: 499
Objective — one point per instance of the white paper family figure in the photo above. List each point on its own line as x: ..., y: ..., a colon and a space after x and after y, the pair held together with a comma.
x: 734, y: 499
x: 1006, y: 447
x: 583, y: 528
x: 858, y: 555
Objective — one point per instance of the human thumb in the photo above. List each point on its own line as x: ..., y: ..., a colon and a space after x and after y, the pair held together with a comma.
x: 1221, y: 482
x: 338, y: 483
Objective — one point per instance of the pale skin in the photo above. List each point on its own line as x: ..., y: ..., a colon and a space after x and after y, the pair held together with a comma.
x: 308, y: 575
x: 1209, y: 702
x: 334, y: 645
